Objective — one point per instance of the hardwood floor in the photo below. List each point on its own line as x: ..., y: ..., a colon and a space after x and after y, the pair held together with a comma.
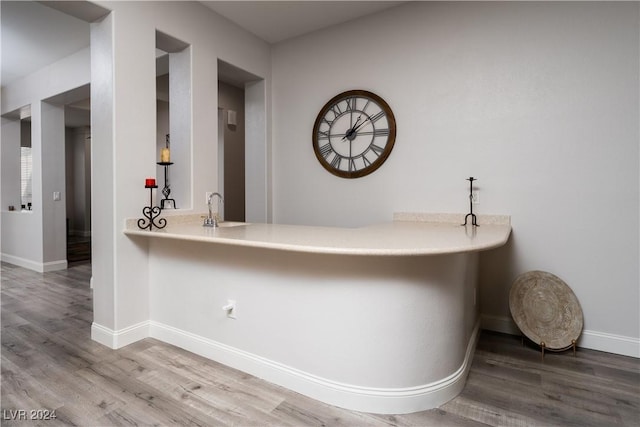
x: 50, y: 363
x: 78, y: 250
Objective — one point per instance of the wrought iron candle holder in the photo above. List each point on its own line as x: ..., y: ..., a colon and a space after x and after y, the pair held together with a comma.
x: 474, y: 219
x: 165, y: 161
x: 166, y: 190
x: 151, y: 213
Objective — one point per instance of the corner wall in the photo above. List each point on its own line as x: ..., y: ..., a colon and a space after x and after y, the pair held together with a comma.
x: 123, y: 103
x: 37, y: 239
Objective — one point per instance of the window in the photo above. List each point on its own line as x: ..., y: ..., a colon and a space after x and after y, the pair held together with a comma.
x: 26, y: 164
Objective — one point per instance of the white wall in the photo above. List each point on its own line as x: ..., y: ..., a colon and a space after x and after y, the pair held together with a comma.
x: 258, y: 149
x: 123, y: 103
x: 539, y: 101
x: 48, y: 129
x: 180, y: 124
x: 37, y: 239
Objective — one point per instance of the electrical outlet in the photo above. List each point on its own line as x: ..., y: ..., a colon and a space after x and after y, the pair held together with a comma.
x: 475, y: 197
x: 231, y: 308
x: 207, y: 194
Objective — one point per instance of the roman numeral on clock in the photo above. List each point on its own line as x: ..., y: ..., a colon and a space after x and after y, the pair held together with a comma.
x: 376, y: 116
x: 376, y: 149
x: 325, y: 150
x: 336, y: 110
x: 351, y: 104
x: 335, y: 162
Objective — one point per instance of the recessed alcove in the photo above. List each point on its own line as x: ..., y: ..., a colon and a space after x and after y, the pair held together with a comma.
x: 173, y: 118
x: 242, y: 147
x: 17, y: 160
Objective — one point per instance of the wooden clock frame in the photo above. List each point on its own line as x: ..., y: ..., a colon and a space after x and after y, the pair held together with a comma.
x: 362, y: 109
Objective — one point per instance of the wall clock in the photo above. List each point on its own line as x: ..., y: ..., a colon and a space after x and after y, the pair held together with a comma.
x: 354, y: 134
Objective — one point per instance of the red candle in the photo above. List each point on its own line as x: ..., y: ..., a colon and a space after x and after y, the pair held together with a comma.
x: 150, y: 182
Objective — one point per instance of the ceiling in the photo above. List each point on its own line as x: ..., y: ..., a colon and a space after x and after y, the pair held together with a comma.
x: 277, y: 21
x: 37, y: 33
x: 34, y: 35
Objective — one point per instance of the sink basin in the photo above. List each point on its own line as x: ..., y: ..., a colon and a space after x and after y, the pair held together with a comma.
x: 227, y: 224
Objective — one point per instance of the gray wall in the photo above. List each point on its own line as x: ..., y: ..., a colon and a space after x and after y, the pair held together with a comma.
x: 539, y: 101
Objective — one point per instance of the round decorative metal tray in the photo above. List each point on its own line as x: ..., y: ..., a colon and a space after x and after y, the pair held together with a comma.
x: 546, y: 310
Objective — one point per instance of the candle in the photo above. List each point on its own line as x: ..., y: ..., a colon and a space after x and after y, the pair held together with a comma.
x: 150, y: 182
x: 165, y: 155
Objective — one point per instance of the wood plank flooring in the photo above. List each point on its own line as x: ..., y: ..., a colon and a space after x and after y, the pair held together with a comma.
x: 49, y: 362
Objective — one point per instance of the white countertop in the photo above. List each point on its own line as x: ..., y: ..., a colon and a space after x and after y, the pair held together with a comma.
x: 408, y: 234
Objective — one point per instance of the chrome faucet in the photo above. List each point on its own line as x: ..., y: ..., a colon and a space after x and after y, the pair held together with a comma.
x: 211, y: 220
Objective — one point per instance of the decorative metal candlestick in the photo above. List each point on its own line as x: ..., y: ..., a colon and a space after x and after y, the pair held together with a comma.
x: 474, y: 220
x: 151, y: 213
x: 166, y: 190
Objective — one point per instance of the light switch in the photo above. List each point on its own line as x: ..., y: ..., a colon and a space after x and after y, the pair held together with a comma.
x: 56, y: 195
x: 231, y: 118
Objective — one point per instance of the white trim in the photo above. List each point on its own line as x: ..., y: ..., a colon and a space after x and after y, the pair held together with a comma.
x: 499, y: 324
x: 104, y: 336
x: 353, y: 397
x: 118, y: 339
x: 22, y: 262
x: 54, y: 266
x: 40, y: 267
x: 594, y: 340
x: 611, y: 343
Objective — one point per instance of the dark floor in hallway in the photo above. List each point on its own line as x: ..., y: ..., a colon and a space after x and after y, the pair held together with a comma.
x: 78, y: 250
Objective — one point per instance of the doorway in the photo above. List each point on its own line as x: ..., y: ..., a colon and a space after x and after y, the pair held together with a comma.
x: 231, y: 150
x: 242, y: 144
x: 78, y: 181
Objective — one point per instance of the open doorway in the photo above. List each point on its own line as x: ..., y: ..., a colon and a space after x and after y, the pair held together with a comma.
x: 232, y: 146
x: 231, y: 150
x: 78, y: 190
x: 77, y: 172
x: 78, y: 180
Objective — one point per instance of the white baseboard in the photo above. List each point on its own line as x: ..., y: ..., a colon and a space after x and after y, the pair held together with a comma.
x: 353, y: 397
x: 40, y: 267
x: 499, y: 324
x: 611, y: 343
x: 118, y: 339
x: 54, y: 266
x: 594, y: 340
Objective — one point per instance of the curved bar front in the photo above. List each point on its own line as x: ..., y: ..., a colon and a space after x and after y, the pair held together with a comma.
x: 388, y: 331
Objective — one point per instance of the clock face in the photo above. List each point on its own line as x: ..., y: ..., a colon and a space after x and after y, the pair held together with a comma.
x: 354, y: 134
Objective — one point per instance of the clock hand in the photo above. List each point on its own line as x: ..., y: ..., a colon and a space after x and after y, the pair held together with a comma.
x: 352, y: 130
x: 357, y: 121
x: 355, y: 129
